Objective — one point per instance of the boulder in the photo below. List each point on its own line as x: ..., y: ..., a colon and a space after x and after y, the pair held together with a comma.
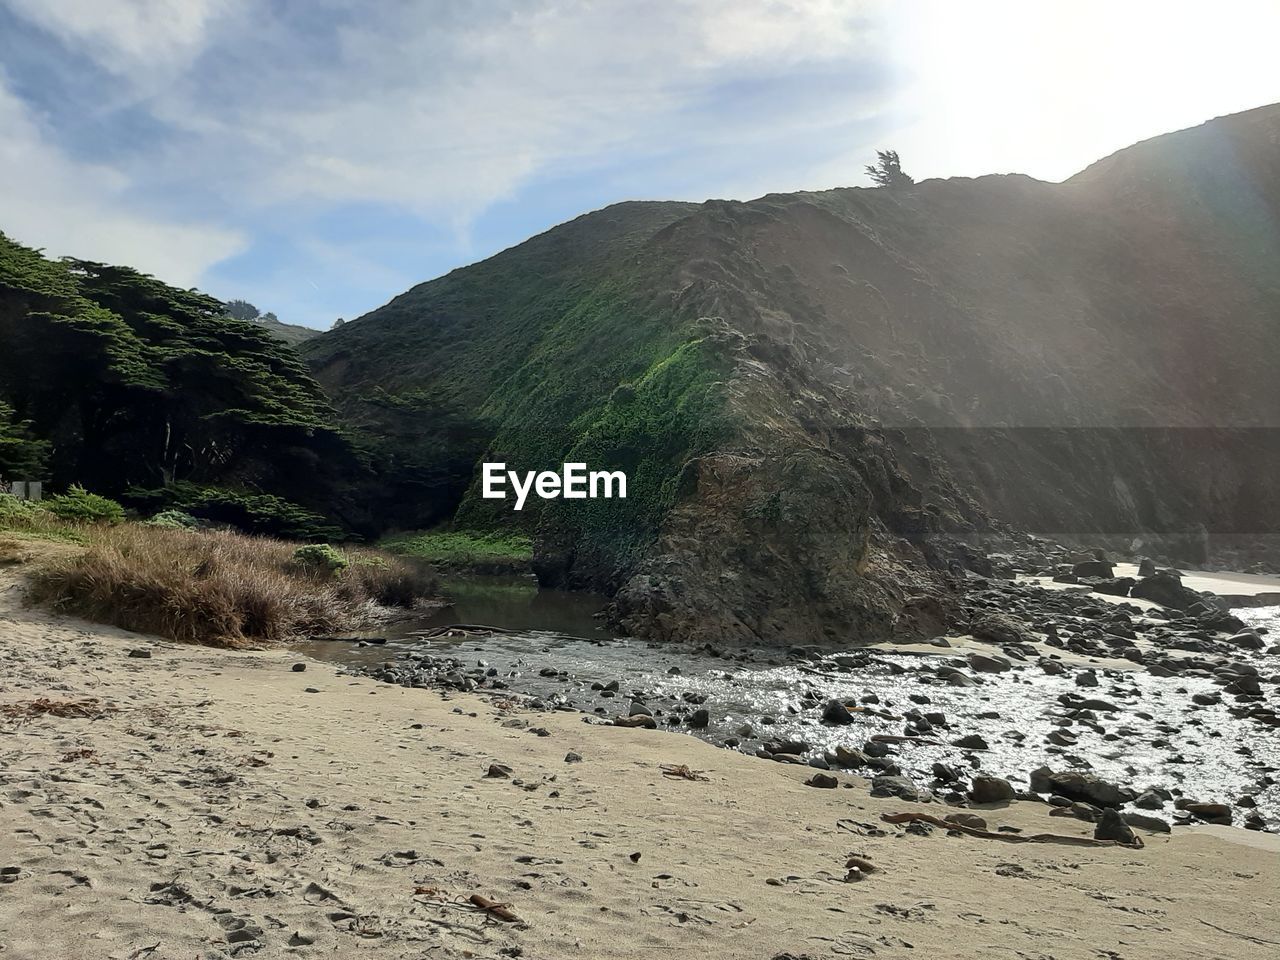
x: 1111, y: 826
x: 1113, y: 586
x: 1209, y: 812
x: 1093, y: 568
x: 836, y: 713
x: 824, y: 781
x: 983, y: 663
x: 1001, y: 629
x: 990, y: 790
x: 1077, y: 786
x: 1143, y: 822
x: 971, y: 820
x: 891, y: 786
x: 1166, y: 589
x: 850, y: 757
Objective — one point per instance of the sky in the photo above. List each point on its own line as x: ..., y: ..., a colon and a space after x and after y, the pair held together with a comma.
x: 318, y: 157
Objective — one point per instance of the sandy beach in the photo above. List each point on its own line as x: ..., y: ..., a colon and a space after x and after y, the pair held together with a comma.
x: 210, y: 803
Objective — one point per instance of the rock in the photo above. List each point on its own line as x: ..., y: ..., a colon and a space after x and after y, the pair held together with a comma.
x: 572, y: 757
x: 824, y: 780
x: 498, y: 771
x: 1247, y: 640
x: 894, y: 786
x: 945, y: 774
x: 1146, y: 567
x: 1093, y: 568
x: 836, y: 713
x: 1143, y: 822
x: 971, y: 742
x: 1150, y: 800
x: 923, y: 617
x: 140, y: 654
x: 1086, y: 678
x: 638, y: 709
x: 1114, y: 586
x: 1209, y: 812
x: 298, y: 667
x: 971, y: 820
x: 990, y: 790
x: 1111, y: 826
x: 1078, y: 786
x: 699, y: 719
x: 1165, y: 589
x: 1001, y: 629
x: 850, y: 757
x: 983, y: 663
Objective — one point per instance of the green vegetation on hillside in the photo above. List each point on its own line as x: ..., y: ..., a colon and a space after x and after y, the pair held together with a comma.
x: 565, y: 348
x: 464, y: 548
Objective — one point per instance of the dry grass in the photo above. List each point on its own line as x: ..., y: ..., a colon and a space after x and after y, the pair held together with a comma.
x: 222, y: 588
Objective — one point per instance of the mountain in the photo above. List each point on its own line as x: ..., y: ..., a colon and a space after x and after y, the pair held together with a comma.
x: 291, y: 333
x: 820, y: 399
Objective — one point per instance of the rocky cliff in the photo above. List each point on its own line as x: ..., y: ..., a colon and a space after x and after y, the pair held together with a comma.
x: 819, y: 395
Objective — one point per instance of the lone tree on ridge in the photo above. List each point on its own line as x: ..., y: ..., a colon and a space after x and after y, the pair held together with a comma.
x: 887, y: 170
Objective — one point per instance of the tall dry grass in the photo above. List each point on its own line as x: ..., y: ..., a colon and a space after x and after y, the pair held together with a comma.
x: 222, y: 588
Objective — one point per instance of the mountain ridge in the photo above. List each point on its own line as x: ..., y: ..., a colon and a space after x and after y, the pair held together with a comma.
x: 935, y: 361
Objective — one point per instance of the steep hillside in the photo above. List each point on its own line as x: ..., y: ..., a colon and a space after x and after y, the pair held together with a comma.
x: 291, y: 333
x: 813, y: 392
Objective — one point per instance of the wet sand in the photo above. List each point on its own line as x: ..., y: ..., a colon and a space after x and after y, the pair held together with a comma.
x: 212, y: 805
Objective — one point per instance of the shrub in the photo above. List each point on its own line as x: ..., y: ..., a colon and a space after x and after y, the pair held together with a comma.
x: 219, y: 587
x: 259, y: 513
x: 320, y: 557
x: 18, y: 512
x: 174, y: 520
x: 29, y: 520
x: 79, y: 504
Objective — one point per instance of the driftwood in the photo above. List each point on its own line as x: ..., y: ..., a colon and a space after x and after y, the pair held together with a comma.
x: 502, y: 911
x: 464, y: 629
x: 681, y: 772
x: 482, y: 630
x: 1008, y: 837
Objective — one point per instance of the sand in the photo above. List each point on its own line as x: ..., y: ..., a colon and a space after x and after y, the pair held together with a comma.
x: 216, y: 807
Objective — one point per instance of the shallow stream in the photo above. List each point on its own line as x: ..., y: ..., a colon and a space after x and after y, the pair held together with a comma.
x: 1157, y: 737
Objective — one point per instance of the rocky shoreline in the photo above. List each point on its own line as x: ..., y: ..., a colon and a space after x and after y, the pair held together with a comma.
x: 1082, y: 634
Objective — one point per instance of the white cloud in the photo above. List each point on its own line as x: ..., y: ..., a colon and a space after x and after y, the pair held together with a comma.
x: 80, y: 210
x: 436, y: 109
x: 129, y: 37
x: 445, y: 116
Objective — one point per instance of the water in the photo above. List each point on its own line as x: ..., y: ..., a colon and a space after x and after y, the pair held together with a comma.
x: 1158, y: 738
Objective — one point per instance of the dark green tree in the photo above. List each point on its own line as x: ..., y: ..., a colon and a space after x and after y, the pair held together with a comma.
x: 241, y: 310
x: 22, y: 455
x: 887, y: 170
x: 136, y: 384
